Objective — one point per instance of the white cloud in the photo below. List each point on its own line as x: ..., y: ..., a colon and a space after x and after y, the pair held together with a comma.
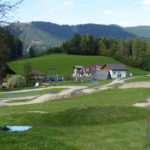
x: 108, y: 12
x: 67, y: 3
x: 146, y: 8
x: 145, y: 5
x: 145, y: 2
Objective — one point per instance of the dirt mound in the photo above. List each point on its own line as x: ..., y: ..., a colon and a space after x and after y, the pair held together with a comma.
x: 135, y: 85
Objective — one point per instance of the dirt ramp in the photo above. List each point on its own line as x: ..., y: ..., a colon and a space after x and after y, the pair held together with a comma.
x: 135, y: 85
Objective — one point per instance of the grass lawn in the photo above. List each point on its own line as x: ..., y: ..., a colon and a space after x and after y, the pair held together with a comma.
x: 19, y: 100
x: 99, y: 121
x: 138, y: 79
x: 65, y: 63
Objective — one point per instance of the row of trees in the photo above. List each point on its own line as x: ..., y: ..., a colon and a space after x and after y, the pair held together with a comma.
x: 134, y: 52
x: 10, y: 46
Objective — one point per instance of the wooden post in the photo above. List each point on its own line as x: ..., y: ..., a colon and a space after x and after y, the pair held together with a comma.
x: 148, y: 131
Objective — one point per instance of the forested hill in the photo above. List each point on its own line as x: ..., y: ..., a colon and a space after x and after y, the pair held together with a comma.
x: 43, y: 35
x: 66, y: 31
x: 140, y: 31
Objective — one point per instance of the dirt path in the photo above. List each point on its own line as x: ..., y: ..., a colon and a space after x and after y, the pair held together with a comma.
x: 46, y: 88
x: 47, y: 97
x: 18, y: 98
x: 80, y: 90
x: 138, y: 85
x: 144, y: 104
x: 135, y: 85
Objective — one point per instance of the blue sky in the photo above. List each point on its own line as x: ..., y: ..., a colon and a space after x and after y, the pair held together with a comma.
x: 121, y: 12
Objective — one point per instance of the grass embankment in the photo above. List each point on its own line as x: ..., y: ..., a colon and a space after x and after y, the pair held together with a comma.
x: 100, y: 121
x: 65, y: 63
x: 138, y: 79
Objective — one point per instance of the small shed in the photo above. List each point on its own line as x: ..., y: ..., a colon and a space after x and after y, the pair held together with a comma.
x: 38, y: 76
x: 4, y: 71
x: 38, y: 73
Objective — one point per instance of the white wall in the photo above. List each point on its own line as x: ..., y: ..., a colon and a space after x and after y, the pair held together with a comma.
x: 118, y: 74
x: 75, y: 73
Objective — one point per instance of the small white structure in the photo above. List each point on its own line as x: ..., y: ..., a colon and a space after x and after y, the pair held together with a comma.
x: 37, y: 84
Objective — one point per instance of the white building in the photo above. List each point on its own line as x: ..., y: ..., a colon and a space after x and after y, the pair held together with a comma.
x: 116, y: 70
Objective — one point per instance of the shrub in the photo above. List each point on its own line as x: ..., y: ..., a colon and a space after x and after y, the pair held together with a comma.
x: 68, y: 77
x: 17, y: 80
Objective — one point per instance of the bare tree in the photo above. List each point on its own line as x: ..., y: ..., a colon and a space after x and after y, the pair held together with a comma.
x: 7, y: 8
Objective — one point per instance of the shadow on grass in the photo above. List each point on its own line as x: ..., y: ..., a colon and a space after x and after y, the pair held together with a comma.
x: 82, y: 116
x: 31, y: 141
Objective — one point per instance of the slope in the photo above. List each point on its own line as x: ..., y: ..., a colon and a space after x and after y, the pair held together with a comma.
x: 140, y: 31
x: 30, y: 35
x: 65, y: 63
x: 45, y: 34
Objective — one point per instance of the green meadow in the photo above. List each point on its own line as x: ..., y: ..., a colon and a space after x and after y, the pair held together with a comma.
x: 139, y: 79
x: 99, y: 121
x: 64, y: 63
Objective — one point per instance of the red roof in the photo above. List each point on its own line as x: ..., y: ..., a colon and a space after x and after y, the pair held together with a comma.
x: 38, y: 73
x: 97, y: 65
x: 92, y: 68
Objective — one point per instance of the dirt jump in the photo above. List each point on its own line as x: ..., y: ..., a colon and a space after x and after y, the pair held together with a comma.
x: 82, y: 90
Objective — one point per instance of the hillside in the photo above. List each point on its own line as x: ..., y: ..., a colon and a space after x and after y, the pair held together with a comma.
x: 140, y: 31
x: 30, y: 35
x: 65, y: 63
x: 45, y: 34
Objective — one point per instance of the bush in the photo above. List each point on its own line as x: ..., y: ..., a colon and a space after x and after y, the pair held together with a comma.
x: 17, y: 80
x: 68, y: 77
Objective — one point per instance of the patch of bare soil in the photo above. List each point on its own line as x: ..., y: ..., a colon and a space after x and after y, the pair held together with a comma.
x: 38, y: 112
x: 135, y: 85
x: 71, y: 91
x: 144, y: 104
x: 138, y: 85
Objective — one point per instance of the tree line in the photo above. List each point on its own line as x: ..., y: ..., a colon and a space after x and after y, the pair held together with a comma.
x: 10, y: 46
x: 134, y: 52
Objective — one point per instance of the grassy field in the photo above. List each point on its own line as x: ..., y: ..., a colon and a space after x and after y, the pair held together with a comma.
x: 100, y: 121
x: 65, y: 63
x: 138, y: 79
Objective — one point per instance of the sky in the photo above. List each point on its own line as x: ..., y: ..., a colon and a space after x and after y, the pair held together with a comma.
x: 72, y: 12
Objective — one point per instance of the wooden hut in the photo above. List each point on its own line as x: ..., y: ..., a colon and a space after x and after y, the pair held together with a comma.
x: 4, y: 71
x: 37, y: 76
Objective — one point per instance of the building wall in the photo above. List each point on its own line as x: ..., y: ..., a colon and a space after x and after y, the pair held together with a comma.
x: 76, y: 72
x: 101, y: 75
x: 118, y: 74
